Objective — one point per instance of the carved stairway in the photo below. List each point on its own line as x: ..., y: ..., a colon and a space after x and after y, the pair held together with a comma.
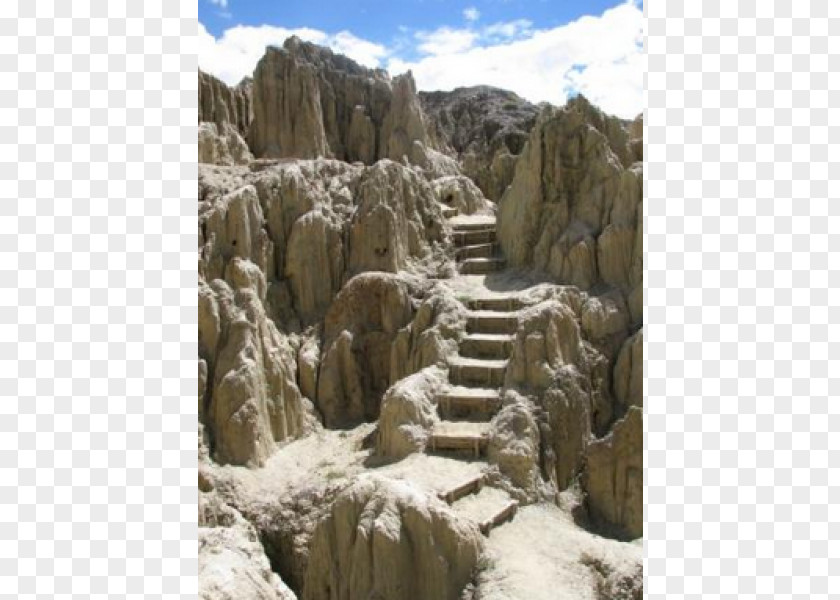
x: 476, y: 375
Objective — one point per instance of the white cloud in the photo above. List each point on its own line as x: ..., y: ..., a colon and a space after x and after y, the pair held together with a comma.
x: 471, y: 13
x: 235, y: 54
x: 445, y: 40
x: 508, y: 29
x: 220, y: 3
x: 362, y: 51
x: 602, y: 57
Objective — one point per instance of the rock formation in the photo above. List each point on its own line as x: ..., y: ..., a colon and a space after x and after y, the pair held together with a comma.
x: 615, y: 478
x: 359, y: 329
x: 231, y: 560
x: 409, y: 413
x: 484, y: 127
x: 224, y: 114
x: 386, y: 539
x: 219, y: 103
x: 573, y: 211
x: 628, y: 376
x: 251, y: 400
x: 310, y: 103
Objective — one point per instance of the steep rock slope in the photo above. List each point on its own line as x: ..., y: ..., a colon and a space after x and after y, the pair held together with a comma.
x: 574, y: 212
x: 614, y: 477
x: 224, y: 114
x: 309, y: 103
x: 219, y: 103
x: 484, y: 127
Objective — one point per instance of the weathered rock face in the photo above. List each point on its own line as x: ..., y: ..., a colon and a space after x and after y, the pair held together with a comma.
x: 458, y: 191
x: 514, y: 445
x: 311, y: 225
x: 221, y: 104
x: 221, y: 145
x: 277, y: 245
x: 551, y: 361
x: 396, y: 218
x: 621, y: 581
x: 431, y: 337
x: 409, y: 413
x: 231, y: 561
x: 309, y: 103
x: 485, y: 128
x: 253, y: 401
x: 548, y: 338
x: 614, y: 477
x: 573, y: 212
x: 359, y: 329
x: 224, y: 114
x: 386, y: 539
x: 563, y: 358
x: 628, y: 374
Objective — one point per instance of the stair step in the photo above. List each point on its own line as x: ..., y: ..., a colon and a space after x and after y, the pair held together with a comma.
x: 487, y: 321
x: 477, y: 372
x: 480, y: 266
x: 486, y: 345
x: 497, y: 304
x: 470, y: 486
x: 473, y: 223
x: 460, y: 436
x: 476, y: 251
x: 473, y: 237
x: 468, y: 403
x: 507, y: 513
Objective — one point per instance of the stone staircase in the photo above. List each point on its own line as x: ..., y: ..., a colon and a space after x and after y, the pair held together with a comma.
x: 476, y: 375
x: 476, y: 247
x: 487, y: 506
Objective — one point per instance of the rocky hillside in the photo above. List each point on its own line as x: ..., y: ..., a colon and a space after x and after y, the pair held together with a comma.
x: 224, y: 114
x: 309, y: 103
x: 573, y: 211
x: 400, y: 380
x: 484, y: 128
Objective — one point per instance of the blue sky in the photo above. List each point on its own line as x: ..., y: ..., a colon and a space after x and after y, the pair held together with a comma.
x: 543, y: 50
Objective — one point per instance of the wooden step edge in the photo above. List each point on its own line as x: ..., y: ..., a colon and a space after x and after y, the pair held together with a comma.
x: 476, y: 443
x: 508, y: 512
x: 471, y: 486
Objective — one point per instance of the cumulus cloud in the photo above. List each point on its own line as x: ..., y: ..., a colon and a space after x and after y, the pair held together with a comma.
x: 599, y: 56
x: 445, y: 40
x: 508, y: 29
x: 235, y: 54
x: 471, y: 13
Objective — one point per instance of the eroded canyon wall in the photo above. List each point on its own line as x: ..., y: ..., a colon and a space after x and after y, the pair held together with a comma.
x: 309, y: 102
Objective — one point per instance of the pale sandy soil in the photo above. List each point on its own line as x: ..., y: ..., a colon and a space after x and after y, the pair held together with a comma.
x: 494, y: 285
x: 325, y: 455
x: 537, y: 556
x: 465, y: 428
x: 475, y: 219
x: 334, y: 455
x: 483, y: 505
